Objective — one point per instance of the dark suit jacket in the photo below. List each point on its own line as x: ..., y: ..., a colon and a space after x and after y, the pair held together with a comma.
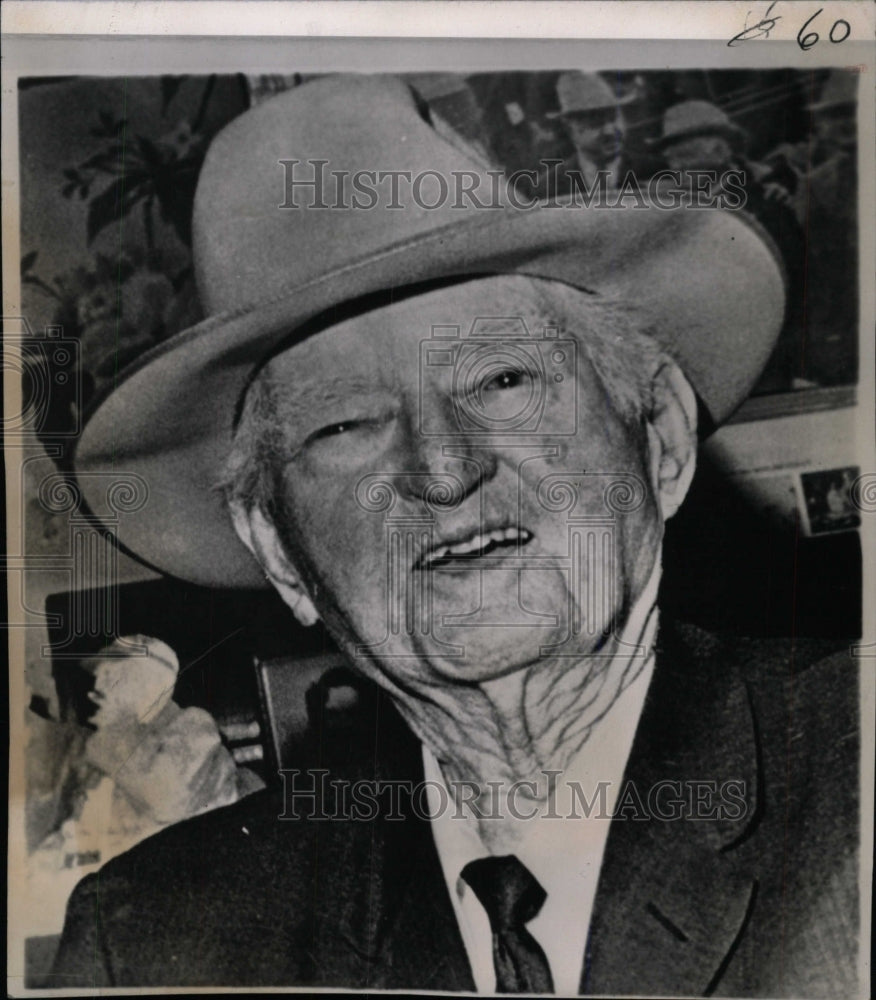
x: 763, y: 903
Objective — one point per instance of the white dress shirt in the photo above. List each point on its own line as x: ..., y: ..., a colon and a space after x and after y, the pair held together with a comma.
x: 560, y: 846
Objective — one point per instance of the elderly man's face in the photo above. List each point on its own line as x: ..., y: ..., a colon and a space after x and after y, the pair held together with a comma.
x: 424, y: 504
x: 598, y: 134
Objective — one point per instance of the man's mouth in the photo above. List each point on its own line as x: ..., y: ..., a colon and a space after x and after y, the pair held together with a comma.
x: 473, y: 546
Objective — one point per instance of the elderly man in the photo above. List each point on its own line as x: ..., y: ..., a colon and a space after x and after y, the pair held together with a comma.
x: 454, y: 436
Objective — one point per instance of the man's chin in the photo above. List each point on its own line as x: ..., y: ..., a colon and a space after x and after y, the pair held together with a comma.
x: 485, y: 652
x: 470, y: 626
x: 496, y: 622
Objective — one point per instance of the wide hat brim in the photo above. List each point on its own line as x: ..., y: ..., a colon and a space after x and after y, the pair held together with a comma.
x: 727, y: 129
x: 615, y: 102
x: 708, y: 284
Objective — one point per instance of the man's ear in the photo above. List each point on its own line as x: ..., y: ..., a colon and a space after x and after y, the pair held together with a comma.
x: 672, y: 435
x: 261, y: 538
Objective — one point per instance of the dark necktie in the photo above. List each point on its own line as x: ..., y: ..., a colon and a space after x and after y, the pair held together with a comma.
x: 511, y: 895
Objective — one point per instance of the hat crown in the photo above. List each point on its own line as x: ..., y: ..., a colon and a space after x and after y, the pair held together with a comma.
x: 283, y: 177
x: 689, y: 116
x: 578, y: 91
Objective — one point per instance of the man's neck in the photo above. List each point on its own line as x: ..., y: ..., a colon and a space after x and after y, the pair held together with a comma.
x: 590, y: 167
x: 507, y: 736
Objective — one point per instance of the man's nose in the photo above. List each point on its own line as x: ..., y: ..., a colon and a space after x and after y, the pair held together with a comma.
x: 443, y: 470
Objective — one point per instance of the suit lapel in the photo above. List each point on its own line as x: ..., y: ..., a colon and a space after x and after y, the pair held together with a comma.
x: 673, y: 900
x: 384, y: 917
x: 391, y: 924
x: 424, y: 947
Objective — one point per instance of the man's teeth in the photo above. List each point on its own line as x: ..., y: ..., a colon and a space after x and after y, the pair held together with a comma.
x: 480, y: 544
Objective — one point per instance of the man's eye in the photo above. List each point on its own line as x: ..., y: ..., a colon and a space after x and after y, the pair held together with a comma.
x: 508, y: 378
x: 357, y: 426
x: 334, y: 430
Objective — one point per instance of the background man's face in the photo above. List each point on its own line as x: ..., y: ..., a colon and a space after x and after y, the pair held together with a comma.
x: 412, y: 494
x: 699, y: 152
x: 598, y: 134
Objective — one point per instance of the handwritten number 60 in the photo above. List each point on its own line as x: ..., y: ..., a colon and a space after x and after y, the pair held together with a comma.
x: 806, y: 41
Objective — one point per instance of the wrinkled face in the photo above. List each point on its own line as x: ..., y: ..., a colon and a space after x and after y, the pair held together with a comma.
x: 127, y: 689
x: 598, y: 134
x: 700, y: 152
x: 445, y: 485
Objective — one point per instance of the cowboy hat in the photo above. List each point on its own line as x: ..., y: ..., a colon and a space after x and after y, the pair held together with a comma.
x: 580, y: 92
x: 275, y: 262
x: 693, y: 118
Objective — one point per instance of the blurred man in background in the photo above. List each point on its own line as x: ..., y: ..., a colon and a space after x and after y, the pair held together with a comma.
x: 592, y: 117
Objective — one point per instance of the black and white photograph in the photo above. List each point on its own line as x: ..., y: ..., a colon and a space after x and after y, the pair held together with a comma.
x: 442, y: 502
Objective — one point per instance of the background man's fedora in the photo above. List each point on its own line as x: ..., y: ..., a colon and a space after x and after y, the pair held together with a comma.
x: 694, y: 118
x: 581, y: 92
x: 709, y: 286
x: 840, y: 88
